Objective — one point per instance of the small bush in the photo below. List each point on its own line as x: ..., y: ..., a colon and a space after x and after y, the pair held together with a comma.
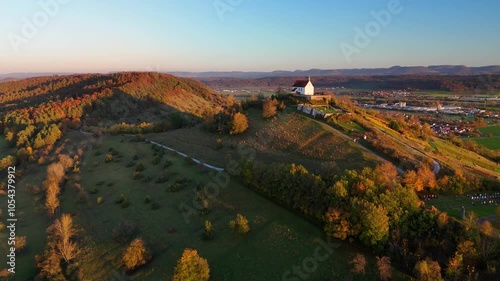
x: 218, y: 144
x: 176, y: 187
x: 110, y: 184
x: 147, y: 200
x: 99, y: 200
x: 99, y: 183
x: 136, y: 157
x: 108, y: 158
x: 190, y: 161
x: 21, y: 243
x: 168, y: 163
x: 130, y: 164
x: 208, y: 232
x: 161, y: 178
x: 139, y: 167
x: 155, y: 206
x: 125, y: 203
x: 124, y: 232
x: 147, y: 179
x: 94, y: 190
x: 157, y: 160
x: 240, y: 225
x: 120, y: 199
x: 137, y: 175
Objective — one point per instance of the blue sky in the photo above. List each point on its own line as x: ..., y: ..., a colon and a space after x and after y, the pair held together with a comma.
x: 246, y: 35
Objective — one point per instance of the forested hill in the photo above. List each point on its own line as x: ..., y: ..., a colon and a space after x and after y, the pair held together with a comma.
x: 35, y: 112
x: 452, y: 83
x: 162, y: 88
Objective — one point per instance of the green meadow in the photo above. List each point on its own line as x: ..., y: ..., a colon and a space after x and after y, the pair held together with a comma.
x: 279, y: 239
x: 490, y: 137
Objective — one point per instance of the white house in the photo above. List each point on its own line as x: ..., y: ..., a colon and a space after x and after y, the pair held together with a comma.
x: 303, y: 87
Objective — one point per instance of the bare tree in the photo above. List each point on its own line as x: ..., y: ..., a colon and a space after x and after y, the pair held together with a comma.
x: 63, y: 231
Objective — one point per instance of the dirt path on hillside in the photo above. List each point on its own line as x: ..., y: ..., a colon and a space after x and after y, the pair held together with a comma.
x: 346, y: 137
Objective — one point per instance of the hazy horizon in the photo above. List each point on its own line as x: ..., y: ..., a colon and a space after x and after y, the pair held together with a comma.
x: 246, y: 35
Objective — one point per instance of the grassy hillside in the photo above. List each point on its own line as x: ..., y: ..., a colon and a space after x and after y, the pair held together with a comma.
x: 277, y: 236
x: 289, y: 137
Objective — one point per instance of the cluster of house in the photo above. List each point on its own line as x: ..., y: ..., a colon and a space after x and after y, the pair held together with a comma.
x: 457, y: 110
x: 446, y: 129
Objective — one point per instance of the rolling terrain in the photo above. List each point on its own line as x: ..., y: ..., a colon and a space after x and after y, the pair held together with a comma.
x: 298, y: 181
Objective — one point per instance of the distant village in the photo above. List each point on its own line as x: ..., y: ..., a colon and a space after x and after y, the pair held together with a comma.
x: 457, y: 110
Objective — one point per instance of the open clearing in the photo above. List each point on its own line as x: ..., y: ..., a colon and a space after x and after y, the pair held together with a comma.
x: 278, y: 239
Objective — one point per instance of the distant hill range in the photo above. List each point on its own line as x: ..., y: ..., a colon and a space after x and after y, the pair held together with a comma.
x: 395, y: 70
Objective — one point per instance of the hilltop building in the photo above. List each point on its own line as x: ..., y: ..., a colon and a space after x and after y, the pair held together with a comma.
x: 303, y: 87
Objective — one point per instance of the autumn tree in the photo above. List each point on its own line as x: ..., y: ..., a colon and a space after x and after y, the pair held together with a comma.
x: 384, y: 268
x: 385, y: 174
x: 413, y: 181
x: 49, y: 266
x: 21, y: 242
x: 191, y: 267
x: 358, y: 264
x: 374, y: 222
x: 337, y: 224
x: 239, y: 124
x: 240, y: 224
x: 455, y: 267
x: 269, y: 108
x: 55, y: 173
x: 136, y: 254
x: 63, y: 232
x: 427, y: 176
x: 470, y: 221
x: 208, y: 231
x: 428, y: 270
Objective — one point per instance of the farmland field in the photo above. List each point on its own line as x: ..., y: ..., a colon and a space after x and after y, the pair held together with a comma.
x: 492, y: 141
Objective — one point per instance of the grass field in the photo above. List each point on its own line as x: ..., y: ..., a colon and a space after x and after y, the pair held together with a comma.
x: 32, y: 222
x: 278, y: 239
x: 491, y: 142
x: 452, y: 204
x: 494, y: 130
